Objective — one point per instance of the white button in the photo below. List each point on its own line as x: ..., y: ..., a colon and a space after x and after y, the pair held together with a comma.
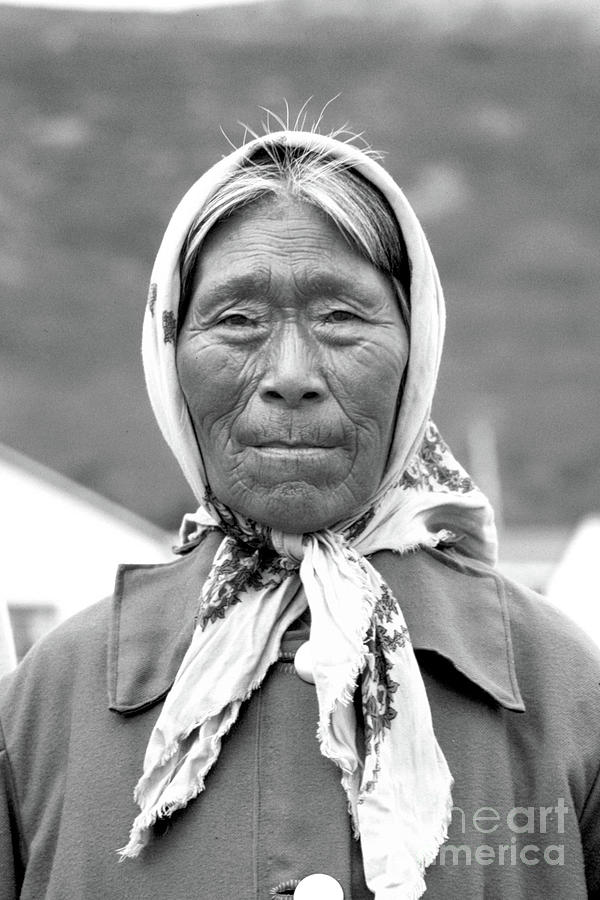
x: 303, y: 663
x: 318, y: 887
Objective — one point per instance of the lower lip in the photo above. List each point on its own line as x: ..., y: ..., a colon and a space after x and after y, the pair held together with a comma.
x: 275, y: 467
x: 283, y: 452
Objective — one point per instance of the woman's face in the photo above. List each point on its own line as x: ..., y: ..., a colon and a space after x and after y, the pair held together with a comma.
x: 290, y: 359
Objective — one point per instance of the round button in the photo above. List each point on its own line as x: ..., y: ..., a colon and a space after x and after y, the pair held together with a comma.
x: 303, y: 663
x: 318, y: 887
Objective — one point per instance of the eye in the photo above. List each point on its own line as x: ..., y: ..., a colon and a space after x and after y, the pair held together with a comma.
x: 235, y: 320
x: 342, y: 315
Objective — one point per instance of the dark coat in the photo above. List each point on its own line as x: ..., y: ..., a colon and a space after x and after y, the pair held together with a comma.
x: 515, y: 696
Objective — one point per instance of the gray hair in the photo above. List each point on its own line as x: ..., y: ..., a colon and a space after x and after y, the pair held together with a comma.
x: 358, y: 209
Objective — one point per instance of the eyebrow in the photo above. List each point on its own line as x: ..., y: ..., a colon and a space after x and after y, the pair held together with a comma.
x: 256, y: 284
x: 249, y: 285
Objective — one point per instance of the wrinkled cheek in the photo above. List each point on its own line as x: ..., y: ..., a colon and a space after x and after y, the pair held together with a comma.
x: 223, y: 460
x: 372, y: 413
x: 215, y: 389
x: 371, y: 408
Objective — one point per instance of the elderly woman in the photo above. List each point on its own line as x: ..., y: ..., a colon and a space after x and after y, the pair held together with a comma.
x: 330, y: 693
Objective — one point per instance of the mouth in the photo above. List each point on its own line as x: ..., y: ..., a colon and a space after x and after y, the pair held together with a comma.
x: 290, y: 433
x: 274, y: 461
x: 287, y: 445
x: 281, y: 450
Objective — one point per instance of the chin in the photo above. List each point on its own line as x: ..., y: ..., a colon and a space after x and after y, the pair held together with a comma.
x: 295, y: 509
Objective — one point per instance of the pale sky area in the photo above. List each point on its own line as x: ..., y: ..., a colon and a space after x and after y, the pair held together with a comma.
x: 179, y: 5
x: 128, y: 5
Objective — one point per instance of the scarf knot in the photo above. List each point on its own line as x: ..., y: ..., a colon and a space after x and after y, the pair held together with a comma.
x: 288, y: 546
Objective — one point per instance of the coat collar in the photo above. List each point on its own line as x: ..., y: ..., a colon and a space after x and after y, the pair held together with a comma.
x: 458, y: 609
x: 452, y: 607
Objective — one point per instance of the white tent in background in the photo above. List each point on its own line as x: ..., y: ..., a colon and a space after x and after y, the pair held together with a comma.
x: 575, y: 583
x: 8, y: 656
x: 61, y: 544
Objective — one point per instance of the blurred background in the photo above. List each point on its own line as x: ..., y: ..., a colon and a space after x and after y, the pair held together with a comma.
x: 488, y: 115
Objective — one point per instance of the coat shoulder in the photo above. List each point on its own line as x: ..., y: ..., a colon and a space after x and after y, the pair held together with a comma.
x: 57, y: 657
x: 539, y: 629
x: 542, y: 630
x: 558, y: 668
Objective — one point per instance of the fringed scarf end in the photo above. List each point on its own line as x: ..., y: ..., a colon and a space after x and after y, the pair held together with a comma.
x: 440, y: 837
x: 139, y: 836
x: 414, y: 891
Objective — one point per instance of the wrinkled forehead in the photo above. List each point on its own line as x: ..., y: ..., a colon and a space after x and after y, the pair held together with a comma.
x: 287, y: 255
x: 329, y: 209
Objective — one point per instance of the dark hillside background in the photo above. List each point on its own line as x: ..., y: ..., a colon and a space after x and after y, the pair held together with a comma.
x: 492, y: 128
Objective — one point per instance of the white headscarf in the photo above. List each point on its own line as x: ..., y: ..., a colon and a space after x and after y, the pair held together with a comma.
x: 396, y: 779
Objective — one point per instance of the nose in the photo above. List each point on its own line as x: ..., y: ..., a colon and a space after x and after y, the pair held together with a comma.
x: 292, y: 373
